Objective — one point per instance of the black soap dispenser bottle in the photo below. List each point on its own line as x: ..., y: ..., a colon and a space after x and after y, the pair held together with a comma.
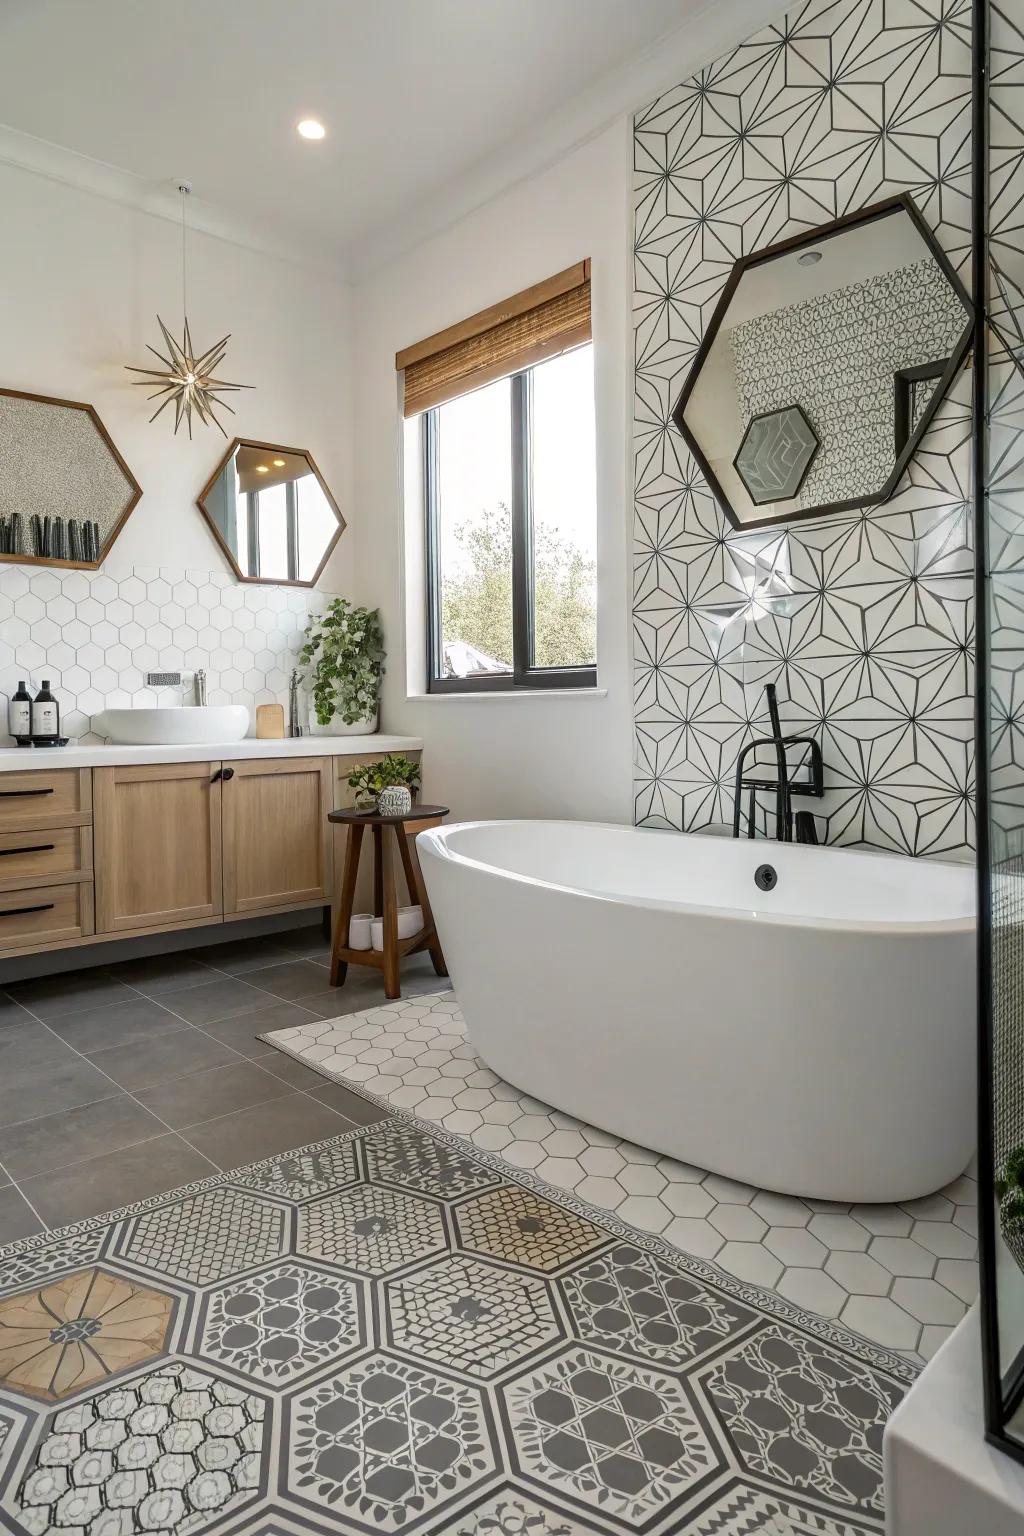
x: 45, y: 717
x: 19, y: 716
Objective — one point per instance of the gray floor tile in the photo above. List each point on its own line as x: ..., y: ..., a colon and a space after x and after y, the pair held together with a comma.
x: 213, y: 1000
x: 241, y: 1032
x: 17, y: 1219
x: 50, y: 996
x: 118, y: 1178
x: 12, y: 1013
x: 291, y: 981
x: 355, y: 1108
x: 290, y: 1070
x: 95, y: 1029
x: 51, y: 1088
x: 74, y: 1135
x: 162, y: 973
x: 237, y: 956
x: 217, y: 1091
x: 307, y: 943
x: 29, y: 1047
x: 265, y: 1130
x: 149, y: 1062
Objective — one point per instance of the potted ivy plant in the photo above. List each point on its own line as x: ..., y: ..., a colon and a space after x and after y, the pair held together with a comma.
x: 343, y: 654
x: 370, y: 780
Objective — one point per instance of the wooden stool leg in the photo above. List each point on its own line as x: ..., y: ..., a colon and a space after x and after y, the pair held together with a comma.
x: 345, y: 902
x: 414, y: 875
x: 378, y: 871
x: 392, y: 977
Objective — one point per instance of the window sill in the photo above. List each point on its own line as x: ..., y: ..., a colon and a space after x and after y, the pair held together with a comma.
x: 492, y: 694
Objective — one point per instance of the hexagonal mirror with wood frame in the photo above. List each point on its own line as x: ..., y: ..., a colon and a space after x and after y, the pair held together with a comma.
x: 272, y: 513
x: 65, y: 490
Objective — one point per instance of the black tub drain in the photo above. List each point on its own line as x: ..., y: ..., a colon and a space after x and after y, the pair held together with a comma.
x: 766, y: 877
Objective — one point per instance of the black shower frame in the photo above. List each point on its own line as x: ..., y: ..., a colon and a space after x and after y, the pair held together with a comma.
x: 1003, y: 1392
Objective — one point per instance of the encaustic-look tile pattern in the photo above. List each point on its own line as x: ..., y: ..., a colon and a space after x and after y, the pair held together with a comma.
x: 903, y: 1275
x: 863, y: 619
x: 390, y: 1332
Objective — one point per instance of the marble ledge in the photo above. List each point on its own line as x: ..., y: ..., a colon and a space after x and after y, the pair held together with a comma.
x: 108, y: 755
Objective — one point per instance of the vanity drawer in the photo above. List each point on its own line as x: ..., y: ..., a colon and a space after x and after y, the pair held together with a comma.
x: 45, y: 797
x: 45, y: 914
x: 26, y: 858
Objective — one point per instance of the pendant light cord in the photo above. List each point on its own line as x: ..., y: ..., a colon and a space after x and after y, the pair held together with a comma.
x: 184, y: 261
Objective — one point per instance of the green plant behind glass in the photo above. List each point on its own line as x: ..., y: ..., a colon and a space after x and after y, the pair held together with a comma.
x: 343, y: 653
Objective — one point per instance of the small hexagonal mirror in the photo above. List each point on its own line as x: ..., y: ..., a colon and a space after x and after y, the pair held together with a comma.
x: 65, y: 491
x: 823, y: 364
x: 271, y: 512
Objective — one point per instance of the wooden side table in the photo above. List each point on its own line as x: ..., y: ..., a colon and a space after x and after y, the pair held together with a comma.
x: 387, y: 832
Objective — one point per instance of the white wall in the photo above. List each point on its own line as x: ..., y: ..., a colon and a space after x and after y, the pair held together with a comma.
x: 508, y: 755
x: 82, y: 281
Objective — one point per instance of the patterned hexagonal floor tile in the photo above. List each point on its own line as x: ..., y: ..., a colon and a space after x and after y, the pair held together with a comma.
x: 69, y: 1334
x: 514, y: 1224
x: 803, y: 1415
x: 301, y: 1175
x: 511, y: 1512
x: 205, y: 1237
x: 386, y: 1442
x: 635, y: 1304
x: 617, y: 1438
x: 400, y: 1154
x: 174, y: 1450
x: 372, y: 1230
x: 283, y: 1323
x: 469, y: 1316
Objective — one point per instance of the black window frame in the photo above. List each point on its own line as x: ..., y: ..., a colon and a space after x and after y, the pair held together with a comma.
x: 524, y: 675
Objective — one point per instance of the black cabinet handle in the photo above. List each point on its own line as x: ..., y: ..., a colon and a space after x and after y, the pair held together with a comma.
x: 8, y: 794
x: 35, y: 848
x: 215, y: 776
x: 227, y: 773
x: 47, y: 906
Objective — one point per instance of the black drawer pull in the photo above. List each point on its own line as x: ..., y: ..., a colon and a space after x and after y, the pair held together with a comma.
x: 47, y: 906
x: 35, y: 848
x: 227, y: 773
x: 9, y: 794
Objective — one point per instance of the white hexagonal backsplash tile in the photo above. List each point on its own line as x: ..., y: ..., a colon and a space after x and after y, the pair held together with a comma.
x: 95, y: 636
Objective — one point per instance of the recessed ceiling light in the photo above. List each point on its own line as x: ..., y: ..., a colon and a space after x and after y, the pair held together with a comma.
x: 311, y: 129
x: 809, y: 258
x: 279, y: 463
x: 262, y: 469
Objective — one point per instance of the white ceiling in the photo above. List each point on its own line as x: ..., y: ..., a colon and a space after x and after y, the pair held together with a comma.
x: 416, y: 95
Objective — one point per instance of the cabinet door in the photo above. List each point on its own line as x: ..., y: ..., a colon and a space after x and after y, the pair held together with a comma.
x: 277, y: 852
x: 157, y: 845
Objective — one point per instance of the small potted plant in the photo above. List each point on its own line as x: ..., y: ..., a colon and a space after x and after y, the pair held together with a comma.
x: 372, y: 781
x: 1010, y: 1193
x: 343, y: 653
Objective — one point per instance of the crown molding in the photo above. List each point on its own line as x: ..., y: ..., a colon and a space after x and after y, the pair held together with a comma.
x: 159, y: 200
x: 706, y: 34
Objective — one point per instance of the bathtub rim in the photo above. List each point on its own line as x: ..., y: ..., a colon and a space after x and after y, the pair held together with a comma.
x: 434, y: 839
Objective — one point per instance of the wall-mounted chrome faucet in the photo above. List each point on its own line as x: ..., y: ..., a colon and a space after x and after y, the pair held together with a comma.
x: 199, y: 687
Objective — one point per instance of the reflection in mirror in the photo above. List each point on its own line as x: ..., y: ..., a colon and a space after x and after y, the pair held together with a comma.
x: 822, y: 366
x: 272, y: 513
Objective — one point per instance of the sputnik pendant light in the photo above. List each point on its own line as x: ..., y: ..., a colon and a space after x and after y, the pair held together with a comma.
x: 186, y: 379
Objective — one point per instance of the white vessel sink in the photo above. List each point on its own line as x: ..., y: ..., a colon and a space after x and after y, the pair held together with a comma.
x: 173, y: 727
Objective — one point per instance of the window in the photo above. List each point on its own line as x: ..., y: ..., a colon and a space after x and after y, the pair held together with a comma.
x: 510, y: 495
x: 506, y: 406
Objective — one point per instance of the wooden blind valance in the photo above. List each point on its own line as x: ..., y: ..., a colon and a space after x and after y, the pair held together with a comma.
x: 531, y: 326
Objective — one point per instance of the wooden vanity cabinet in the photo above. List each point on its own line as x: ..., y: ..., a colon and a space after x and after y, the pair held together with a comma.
x: 157, y: 845
x: 278, y: 849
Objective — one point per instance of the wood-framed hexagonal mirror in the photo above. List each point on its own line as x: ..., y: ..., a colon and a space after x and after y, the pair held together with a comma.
x: 272, y: 513
x: 65, y: 490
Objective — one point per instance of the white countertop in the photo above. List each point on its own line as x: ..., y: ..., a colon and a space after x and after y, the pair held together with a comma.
x: 17, y: 759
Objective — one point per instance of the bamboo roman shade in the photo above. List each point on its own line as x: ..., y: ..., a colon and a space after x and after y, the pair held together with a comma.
x: 533, y: 325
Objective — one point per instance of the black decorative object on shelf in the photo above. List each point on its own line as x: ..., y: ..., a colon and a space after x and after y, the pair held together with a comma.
x: 784, y: 785
x: 777, y: 450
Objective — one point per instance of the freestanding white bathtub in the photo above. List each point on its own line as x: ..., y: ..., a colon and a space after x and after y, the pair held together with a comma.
x: 816, y: 1038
